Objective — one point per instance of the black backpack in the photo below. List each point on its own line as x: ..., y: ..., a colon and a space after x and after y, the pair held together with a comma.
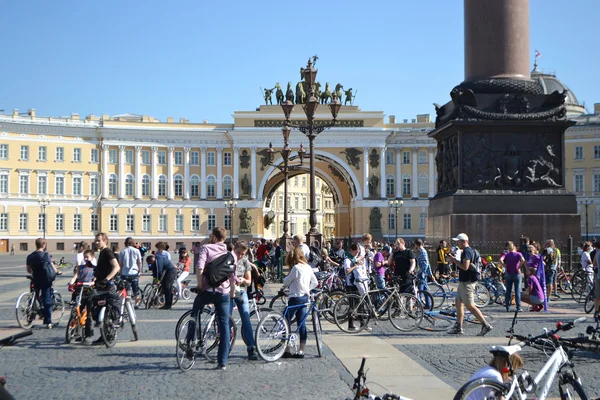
x: 219, y: 270
x: 47, y: 272
x: 315, y: 256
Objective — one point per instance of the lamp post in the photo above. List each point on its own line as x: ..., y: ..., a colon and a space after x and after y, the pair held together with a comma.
x: 586, y: 203
x: 396, y: 205
x: 44, y: 202
x: 230, y: 206
x: 311, y: 129
x: 285, y: 169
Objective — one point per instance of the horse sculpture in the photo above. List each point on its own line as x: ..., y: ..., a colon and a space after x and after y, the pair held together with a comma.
x: 279, y: 94
x: 289, y: 93
x: 318, y: 90
x: 338, y: 91
x: 326, y: 95
x: 300, y: 93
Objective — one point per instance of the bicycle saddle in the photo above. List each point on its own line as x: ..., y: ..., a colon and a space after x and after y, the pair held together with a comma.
x: 505, y: 349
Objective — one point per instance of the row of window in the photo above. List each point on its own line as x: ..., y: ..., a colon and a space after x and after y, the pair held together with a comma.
x: 146, y: 226
x: 407, y: 221
x: 579, y: 183
x: 390, y: 157
x: 113, y: 156
x: 579, y: 152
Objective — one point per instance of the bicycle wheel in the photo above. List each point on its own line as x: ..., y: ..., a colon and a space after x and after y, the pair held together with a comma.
x: 590, y: 299
x: 432, y: 322
x: 146, y: 293
x: 68, y: 265
x: 186, y: 294
x: 329, y: 300
x: 318, y: 332
x: 439, y: 294
x: 484, y: 389
x: 564, y: 283
x: 180, y: 321
x: 187, y: 345
x: 130, y: 315
x: 211, y: 334
x: 279, y: 302
x: 424, y: 297
x: 58, y: 308
x: 175, y: 295
x: 405, y: 312
x: 272, y: 334
x: 351, y: 306
x: 482, y: 295
x: 23, y: 310
x: 72, y: 328
x: 107, y: 328
x: 499, y: 293
x: 570, y: 388
x: 579, y: 284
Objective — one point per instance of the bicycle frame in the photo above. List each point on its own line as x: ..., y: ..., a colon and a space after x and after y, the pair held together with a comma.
x: 312, y: 306
x: 125, y: 302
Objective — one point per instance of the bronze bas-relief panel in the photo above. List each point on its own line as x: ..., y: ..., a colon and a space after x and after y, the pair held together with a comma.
x: 278, y: 123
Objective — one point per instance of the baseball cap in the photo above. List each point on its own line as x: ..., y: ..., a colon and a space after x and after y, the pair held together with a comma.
x: 461, y: 236
x: 387, y: 248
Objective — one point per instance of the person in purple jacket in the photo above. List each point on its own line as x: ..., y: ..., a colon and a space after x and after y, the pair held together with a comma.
x: 512, y: 261
x: 535, y: 295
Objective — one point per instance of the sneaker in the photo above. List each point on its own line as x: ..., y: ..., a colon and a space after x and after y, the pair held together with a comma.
x: 189, y: 354
x: 485, y: 330
x: 252, y: 355
x: 87, y: 341
x: 287, y: 354
x: 221, y: 367
x: 49, y: 326
x: 519, y: 310
x: 352, y: 328
x: 556, y: 295
x: 369, y: 328
x: 456, y: 330
x: 299, y: 354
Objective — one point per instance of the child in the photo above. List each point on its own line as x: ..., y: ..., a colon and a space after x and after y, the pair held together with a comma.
x: 85, y: 274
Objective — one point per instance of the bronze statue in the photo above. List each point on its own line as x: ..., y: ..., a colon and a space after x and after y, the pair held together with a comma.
x: 245, y: 221
x: 268, y: 93
x: 318, y: 90
x: 278, y: 94
x: 300, y: 93
x: 326, y: 95
x: 374, y: 159
x: 352, y: 157
x: 349, y: 97
x: 246, y: 187
x: 244, y: 159
x: 511, y: 167
x: 375, y: 219
x: 289, y: 93
x: 373, y: 186
x: 338, y: 90
x: 269, y: 219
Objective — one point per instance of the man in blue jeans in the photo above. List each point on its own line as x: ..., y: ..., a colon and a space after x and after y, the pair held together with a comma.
x: 219, y: 296
x: 43, y: 287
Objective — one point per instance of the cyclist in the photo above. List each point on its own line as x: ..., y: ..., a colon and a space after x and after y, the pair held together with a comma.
x: 85, y: 274
x: 425, y: 272
x: 130, y: 260
x: 354, y: 268
x: 301, y: 280
x: 405, y: 265
x: 497, y: 370
x: 184, y: 264
x: 243, y: 281
x: 164, y: 265
x: 35, y: 264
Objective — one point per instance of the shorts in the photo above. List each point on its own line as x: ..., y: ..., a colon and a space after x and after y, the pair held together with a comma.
x: 535, y: 300
x: 466, y: 293
x: 597, y: 288
x: 550, y: 275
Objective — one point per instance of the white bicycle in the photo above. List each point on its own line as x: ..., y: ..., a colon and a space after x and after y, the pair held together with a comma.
x: 569, y: 384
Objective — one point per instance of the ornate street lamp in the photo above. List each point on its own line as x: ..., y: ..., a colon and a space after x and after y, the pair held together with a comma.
x: 230, y: 205
x: 311, y: 130
x: 44, y: 202
x: 286, y: 168
x: 396, y: 205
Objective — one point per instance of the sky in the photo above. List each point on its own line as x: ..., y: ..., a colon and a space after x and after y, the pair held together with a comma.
x: 203, y: 60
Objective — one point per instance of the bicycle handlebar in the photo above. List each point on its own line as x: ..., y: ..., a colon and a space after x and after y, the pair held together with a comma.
x: 559, y: 327
x: 9, y: 341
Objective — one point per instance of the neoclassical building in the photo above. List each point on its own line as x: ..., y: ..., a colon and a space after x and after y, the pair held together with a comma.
x: 132, y: 175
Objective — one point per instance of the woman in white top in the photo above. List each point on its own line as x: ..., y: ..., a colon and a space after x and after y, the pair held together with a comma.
x: 586, y: 261
x: 497, y: 370
x: 301, y: 280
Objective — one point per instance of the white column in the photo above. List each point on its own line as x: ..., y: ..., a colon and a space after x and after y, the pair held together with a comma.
x: 154, y: 173
x: 138, y: 172
x: 219, y: 162
x: 383, y: 177
x: 415, y: 174
x: 121, y: 172
x: 236, y: 173
x: 105, y: 171
x: 203, y: 173
x: 170, y: 178
x: 366, y: 194
x: 253, y: 170
x: 186, y: 172
x: 431, y: 173
x: 398, y: 173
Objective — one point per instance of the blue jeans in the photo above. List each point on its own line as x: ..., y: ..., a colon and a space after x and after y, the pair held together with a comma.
x: 135, y: 283
x: 44, y: 291
x: 424, y: 287
x: 221, y: 302
x: 300, y: 312
x: 244, y: 310
x: 513, y: 279
x: 379, y: 281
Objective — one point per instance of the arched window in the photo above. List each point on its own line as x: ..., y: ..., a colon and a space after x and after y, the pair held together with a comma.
x: 162, y: 185
x: 406, y: 186
x: 227, y: 187
x: 146, y: 185
x: 390, y: 186
x: 423, y: 182
x: 194, y: 186
x: 129, y: 185
x: 178, y: 183
x: 210, y: 186
x: 112, y: 185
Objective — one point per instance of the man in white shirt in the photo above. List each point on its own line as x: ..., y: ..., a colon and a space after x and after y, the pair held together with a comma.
x: 130, y: 260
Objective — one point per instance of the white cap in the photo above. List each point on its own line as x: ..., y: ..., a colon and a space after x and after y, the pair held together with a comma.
x: 461, y: 236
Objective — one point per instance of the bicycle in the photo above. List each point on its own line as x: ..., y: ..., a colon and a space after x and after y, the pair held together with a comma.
x: 326, y: 302
x: 111, y: 318
x: 29, y: 306
x: 64, y: 264
x: 361, y: 391
x: 590, y: 300
x: 273, y: 331
x: 444, y: 319
x: 153, y: 295
x: 76, y: 324
x: 581, y: 283
x: 199, y: 336
x: 401, y: 309
x: 443, y: 291
x: 520, y: 386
